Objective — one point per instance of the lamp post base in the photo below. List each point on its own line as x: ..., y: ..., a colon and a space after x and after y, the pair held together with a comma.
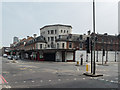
x: 103, y: 64
x: 92, y: 75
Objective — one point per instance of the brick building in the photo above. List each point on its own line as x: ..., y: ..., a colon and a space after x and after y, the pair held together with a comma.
x: 57, y: 43
x: 107, y: 42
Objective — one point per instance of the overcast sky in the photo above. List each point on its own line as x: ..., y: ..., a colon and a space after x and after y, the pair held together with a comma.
x: 23, y: 19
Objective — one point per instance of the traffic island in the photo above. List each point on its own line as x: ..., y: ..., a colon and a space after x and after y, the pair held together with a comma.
x: 92, y: 75
x: 13, y: 61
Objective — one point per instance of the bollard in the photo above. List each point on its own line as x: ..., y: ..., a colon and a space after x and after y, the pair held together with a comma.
x: 81, y: 61
x: 77, y: 63
x: 105, y: 62
x: 88, y: 68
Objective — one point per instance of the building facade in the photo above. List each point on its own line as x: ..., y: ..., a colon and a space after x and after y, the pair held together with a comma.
x: 52, y: 32
x: 107, y: 42
x: 5, y: 50
x: 57, y: 43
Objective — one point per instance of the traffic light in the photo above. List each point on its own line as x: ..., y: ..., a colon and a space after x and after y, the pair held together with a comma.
x: 103, y: 52
x: 87, y: 44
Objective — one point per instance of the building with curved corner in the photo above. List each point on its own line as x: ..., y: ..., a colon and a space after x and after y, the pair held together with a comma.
x: 52, y: 32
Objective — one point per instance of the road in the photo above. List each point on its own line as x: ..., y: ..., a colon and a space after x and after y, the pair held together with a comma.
x: 34, y: 74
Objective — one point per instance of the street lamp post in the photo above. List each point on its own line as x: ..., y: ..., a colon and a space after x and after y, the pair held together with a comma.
x: 94, y: 35
x: 115, y: 50
x: 107, y: 50
x: 97, y: 48
x: 93, y: 41
x: 102, y: 50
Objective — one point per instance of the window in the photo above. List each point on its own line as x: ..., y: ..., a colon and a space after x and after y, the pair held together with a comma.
x: 52, y: 31
x: 40, y: 46
x: 67, y: 31
x: 70, y: 45
x: 57, y: 45
x: 61, y: 31
x: 64, y: 31
x: 55, y: 31
x: 48, y: 32
x: 36, y: 46
x: 63, y: 45
x: 81, y: 37
x: 52, y: 38
x: 59, y: 36
x: 55, y: 37
x: 80, y: 44
x: 48, y: 39
x: 48, y: 46
x: 70, y: 36
x: 41, y: 55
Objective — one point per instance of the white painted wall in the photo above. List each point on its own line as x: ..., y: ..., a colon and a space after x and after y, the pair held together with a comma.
x: 69, y: 56
x: 59, y: 56
x: 38, y: 45
x: 111, y: 56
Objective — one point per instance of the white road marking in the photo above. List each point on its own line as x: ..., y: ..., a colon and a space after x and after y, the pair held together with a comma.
x: 106, y: 75
x: 95, y: 78
x: 59, y: 79
x: 116, y: 78
x: 111, y: 81
x: 24, y: 81
x: 6, y: 86
x: 67, y: 79
x: 91, y: 77
x: 115, y: 81
x: 107, y: 80
x: 78, y: 69
x: 101, y: 79
x: 41, y: 80
x: 83, y: 78
x: 16, y: 82
x: 33, y: 81
x: 75, y: 79
x: 14, y: 75
x: 49, y: 80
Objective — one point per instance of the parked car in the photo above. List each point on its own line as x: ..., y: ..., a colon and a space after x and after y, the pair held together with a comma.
x: 10, y: 57
x: 4, y: 55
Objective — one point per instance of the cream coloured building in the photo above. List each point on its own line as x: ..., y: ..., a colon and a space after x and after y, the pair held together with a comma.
x: 52, y: 32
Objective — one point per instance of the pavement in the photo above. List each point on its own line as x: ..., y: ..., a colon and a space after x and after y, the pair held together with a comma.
x: 41, y: 74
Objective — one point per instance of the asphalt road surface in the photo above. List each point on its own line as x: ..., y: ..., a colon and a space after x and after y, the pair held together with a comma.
x: 34, y: 74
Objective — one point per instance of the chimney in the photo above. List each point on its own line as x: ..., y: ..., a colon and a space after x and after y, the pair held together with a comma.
x: 27, y: 37
x: 105, y: 34
x: 89, y: 32
x: 34, y: 35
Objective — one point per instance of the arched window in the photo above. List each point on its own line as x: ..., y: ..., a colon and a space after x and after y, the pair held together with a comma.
x: 67, y: 31
x: 64, y: 31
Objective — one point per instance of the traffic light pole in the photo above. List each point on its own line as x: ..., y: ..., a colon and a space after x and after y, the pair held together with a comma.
x: 91, y: 57
x: 94, y: 67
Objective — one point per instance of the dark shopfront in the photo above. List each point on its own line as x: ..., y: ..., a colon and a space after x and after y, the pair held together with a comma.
x: 42, y: 55
x: 36, y: 55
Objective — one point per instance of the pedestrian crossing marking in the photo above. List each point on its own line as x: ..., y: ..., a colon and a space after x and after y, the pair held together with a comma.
x: 2, y: 79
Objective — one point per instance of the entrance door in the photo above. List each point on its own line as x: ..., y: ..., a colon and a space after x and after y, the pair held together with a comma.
x: 49, y: 56
x: 63, y: 56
